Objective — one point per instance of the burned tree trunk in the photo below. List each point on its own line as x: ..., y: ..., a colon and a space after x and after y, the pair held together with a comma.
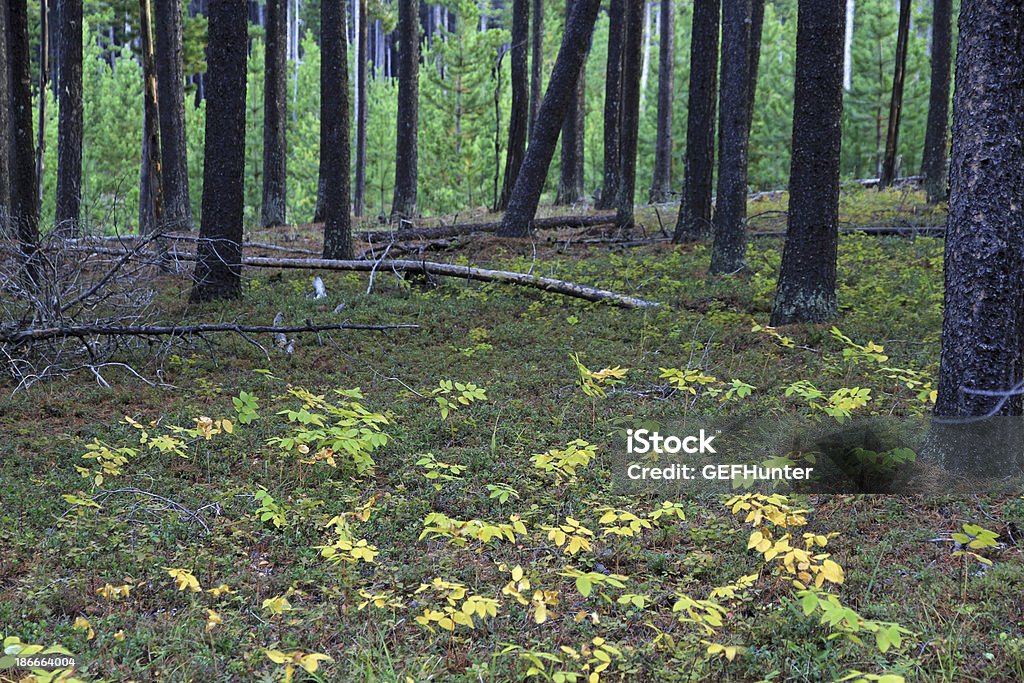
x: 334, y: 128
x: 275, y: 116
x: 69, y: 125
x: 661, y: 183
x: 530, y: 183
x: 5, y: 124
x: 695, y: 208
x: 171, y: 95
x: 936, y: 137
x: 218, y: 271
x: 520, y: 114
x: 151, y: 199
x: 570, y: 185
x: 361, y: 109
x: 24, y: 188
x: 536, y: 61
x: 406, y: 152
x: 612, y: 106
x: 892, y: 136
x: 806, y: 290
x: 632, y: 54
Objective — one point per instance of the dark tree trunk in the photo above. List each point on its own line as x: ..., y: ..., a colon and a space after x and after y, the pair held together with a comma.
x: 171, y: 95
x: 536, y: 61
x: 892, y: 135
x: 756, y: 29
x: 406, y: 150
x: 572, y: 54
x: 661, y: 183
x: 806, y: 290
x: 218, y: 271
x: 24, y: 188
x: 520, y: 114
x: 728, y: 253
x: 275, y: 116
x: 69, y: 126
x: 335, y: 152
x: 936, y: 137
x: 612, y: 107
x: 570, y: 185
x: 362, y: 110
x: 695, y: 208
x: 151, y: 198
x: 632, y: 56
x: 983, y: 324
x: 44, y: 79
x: 5, y: 124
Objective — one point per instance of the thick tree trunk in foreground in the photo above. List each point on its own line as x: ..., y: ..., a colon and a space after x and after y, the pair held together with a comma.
x: 570, y: 185
x: 661, y: 183
x: 983, y: 325
x: 892, y: 136
x: 571, y: 56
x: 5, y: 124
x: 936, y: 136
x: 406, y: 152
x: 151, y: 197
x: 536, y: 61
x: 632, y: 54
x: 334, y: 128
x: 695, y: 208
x: 24, y: 188
x: 612, y: 106
x: 729, y: 250
x: 806, y: 290
x: 756, y: 29
x: 519, y: 117
x: 69, y: 124
x: 362, y: 110
x: 171, y: 94
x: 275, y: 115
x: 218, y: 272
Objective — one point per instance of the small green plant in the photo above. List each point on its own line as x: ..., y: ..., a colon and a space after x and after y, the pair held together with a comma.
x: 595, y: 384
x: 270, y: 510
x: 450, y: 395
x: 246, y: 405
x: 501, y: 492
x: 437, y: 471
x: 564, y: 463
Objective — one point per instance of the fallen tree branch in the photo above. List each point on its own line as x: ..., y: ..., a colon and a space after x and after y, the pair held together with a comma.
x: 39, y: 334
x: 549, y: 223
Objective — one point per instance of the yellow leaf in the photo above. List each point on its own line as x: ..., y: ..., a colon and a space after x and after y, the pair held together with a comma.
x: 82, y: 624
x: 311, y: 662
x: 212, y: 620
x: 227, y: 426
x: 832, y: 572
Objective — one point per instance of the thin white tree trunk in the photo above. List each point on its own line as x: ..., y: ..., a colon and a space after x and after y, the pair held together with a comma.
x: 848, y: 47
x: 645, y: 70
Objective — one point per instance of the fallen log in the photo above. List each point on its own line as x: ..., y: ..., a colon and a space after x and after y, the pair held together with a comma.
x: 549, y: 223
x: 44, y: 333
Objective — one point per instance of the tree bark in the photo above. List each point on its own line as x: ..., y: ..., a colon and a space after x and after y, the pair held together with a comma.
x: 24, y: 187
x: 406, y: 151
x: 171, y: 95
x: 612, y: 106
x: 756, y: 28
x: 5, y: 124
x: 729, y: 250
x: 335, y: 151
x: 983, y: 323
x: 661, y: 183
x: 694, y: 220
x: 806, y: 290
x: 44, y: 79
x: 151, y: 200
x: 536, y: 61
x: 520, y: 114
x: 570, y: 185
x: 361, y: 109
x: 571, y: 56
x: 275, y: 116
x: 892, y: 136
x: 69, y: 125
x: 218, y: 272
x: 632, y: 55
x: 936, y: 137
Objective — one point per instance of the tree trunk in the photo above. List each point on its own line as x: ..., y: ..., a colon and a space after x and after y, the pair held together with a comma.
x: 69, y: 125
x: 361, y: 108
x: 570, y: 186
x: 645, y: 69
x: 561, y: 88
x: 519, y: 116
x: 694, y: 220
x: 406, y: 151
x: 5, y: 124
x: 892, y: 136
x: 44, y: 79
x: 983, y: 324
x: 806, y: 290
x: 151, y: 200
x: 756, y: 28
x: 536, y: 61
x: 848, y: 46
x: 632, y: 55
x: 170, y: 84
x: 24, y: 188
x: 275, y: 116
x: 218, y: 272
x: 335, y: 152
x: 661, y: 184
x: 729, y: 250
x: 933, y: 163
x: 612, y: 107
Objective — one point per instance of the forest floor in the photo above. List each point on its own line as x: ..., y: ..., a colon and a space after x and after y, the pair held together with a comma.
x: 187, y: 548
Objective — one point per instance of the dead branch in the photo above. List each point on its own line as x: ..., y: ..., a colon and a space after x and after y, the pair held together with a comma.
x: 550, y: 223
x: 80, y: 331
